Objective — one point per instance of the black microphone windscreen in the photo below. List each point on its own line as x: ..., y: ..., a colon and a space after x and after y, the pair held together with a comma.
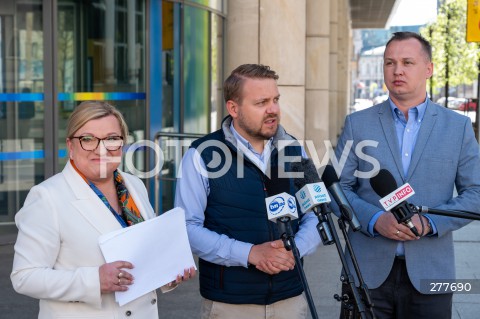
x: 278, y: 182
x: 298, y: 167
x: 310, y: 174
x: 276, y: 185
x: 383, y: 183
x: 329, y: 176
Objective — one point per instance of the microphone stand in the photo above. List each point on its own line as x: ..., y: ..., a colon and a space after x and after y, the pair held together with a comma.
x: 360, y: 298
x: 288, y: 238
x: 450, y: 213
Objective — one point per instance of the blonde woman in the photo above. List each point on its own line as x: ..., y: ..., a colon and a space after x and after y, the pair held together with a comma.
x: 57, y: 256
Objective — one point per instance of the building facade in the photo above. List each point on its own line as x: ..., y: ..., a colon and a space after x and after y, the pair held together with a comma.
x: 162, y: 63
x: 370, y: 73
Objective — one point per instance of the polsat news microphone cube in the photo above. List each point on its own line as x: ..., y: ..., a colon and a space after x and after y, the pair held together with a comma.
x: 311, y: 195
x: 281, y: 205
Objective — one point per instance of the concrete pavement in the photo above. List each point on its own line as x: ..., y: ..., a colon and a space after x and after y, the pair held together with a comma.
x: 322, y: 270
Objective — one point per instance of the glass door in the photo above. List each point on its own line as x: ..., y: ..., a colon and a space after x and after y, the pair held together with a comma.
x: 21, y: 103
x: 192, y: 63
x: 101, y: 56
x: 53, y: 55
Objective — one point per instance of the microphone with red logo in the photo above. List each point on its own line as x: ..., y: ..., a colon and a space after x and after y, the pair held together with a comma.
x: 394, y: 199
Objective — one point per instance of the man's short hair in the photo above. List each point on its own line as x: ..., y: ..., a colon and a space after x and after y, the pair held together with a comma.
x: 233, y: 85
x: 405, y: 35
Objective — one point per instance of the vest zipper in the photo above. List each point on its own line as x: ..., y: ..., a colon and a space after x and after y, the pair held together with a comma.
x: 222, y: 268
x: 270, y: 230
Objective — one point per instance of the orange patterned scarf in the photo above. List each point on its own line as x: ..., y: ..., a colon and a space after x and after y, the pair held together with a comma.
x: 130, y: 213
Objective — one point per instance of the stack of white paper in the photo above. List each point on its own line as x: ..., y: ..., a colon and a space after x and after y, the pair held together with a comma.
x: 158, y: 248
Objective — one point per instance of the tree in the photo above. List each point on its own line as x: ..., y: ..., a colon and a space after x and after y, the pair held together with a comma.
x: 455, y: 60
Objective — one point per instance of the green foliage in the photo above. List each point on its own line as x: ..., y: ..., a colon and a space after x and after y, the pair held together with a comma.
x: 447, y: 36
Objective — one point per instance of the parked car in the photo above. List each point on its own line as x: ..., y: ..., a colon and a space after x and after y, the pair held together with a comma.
x: 453, y: 102
x: 379, y: 99
x: 361, y: 104
x: 468, y: 105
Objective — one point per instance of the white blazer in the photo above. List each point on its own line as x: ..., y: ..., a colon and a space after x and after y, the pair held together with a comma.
x: 57, y: 256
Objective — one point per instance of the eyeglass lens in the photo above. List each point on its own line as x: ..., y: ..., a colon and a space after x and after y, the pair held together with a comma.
x: 111, y: 143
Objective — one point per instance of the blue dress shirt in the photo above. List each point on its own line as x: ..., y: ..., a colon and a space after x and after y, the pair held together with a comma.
x: 407, y: 133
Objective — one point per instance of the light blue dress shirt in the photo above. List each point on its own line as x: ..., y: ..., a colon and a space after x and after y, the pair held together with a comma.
x: 407, y: 133
x: 191, y: 194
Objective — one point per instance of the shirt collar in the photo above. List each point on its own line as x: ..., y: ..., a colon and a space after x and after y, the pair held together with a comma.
x: 416, y: 112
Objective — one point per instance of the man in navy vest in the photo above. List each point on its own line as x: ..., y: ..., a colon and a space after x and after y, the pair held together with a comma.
x: 245, y: 270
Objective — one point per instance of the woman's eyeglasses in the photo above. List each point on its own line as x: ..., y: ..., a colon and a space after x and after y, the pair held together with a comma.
x: 90, y: 143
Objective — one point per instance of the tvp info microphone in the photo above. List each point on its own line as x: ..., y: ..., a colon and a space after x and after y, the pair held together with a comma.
x: 393, y: 198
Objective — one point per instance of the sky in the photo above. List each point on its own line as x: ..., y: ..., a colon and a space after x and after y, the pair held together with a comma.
x: 414, y: 12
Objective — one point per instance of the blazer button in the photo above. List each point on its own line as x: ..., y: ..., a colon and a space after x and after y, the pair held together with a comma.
x: 128, y: 313
x: 154, y: 301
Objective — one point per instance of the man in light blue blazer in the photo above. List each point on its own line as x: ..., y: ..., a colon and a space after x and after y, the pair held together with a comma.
x: 431, y: 148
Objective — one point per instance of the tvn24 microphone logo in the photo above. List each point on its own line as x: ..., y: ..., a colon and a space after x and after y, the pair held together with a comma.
x: 292, y: 204
x: 281, y: 205
x: 277, y: 205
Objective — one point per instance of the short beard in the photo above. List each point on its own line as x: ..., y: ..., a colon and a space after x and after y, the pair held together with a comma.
x: 255, y: 134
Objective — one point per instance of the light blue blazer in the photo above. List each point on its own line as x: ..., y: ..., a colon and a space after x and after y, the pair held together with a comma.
x: 446, y: 155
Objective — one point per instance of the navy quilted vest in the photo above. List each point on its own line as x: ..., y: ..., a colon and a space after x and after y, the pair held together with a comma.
x: 236, y: 208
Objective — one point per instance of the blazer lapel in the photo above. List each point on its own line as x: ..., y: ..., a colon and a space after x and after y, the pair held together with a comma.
x: 88, y: 204
x: 388, y: 126
x: 426, y: 128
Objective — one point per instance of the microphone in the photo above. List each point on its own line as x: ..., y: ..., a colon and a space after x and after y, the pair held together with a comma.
x: 313, y: 195
x: 312, y: 192
x: 281, y: 206
x: 393, y: 198
x: 330, y: 178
